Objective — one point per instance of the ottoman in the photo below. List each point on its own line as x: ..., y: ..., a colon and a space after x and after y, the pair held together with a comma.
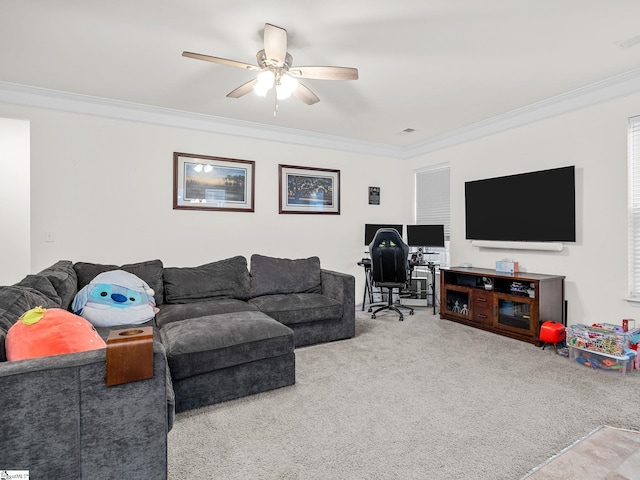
x: 215, y: 358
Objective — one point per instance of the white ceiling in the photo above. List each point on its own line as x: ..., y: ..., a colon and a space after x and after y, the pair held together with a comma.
x: 432, y: 65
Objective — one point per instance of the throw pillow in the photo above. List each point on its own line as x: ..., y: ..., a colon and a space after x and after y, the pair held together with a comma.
x: 43, y: 332
x: 270, y: 276
x: 115, y: 298
x: 149, y: 271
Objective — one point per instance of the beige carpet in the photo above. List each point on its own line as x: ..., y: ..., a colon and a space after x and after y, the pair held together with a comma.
x: 607, y: 453
x: 420, y: 399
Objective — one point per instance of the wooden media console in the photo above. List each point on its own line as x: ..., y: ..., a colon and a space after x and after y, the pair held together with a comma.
x: 514, y: 305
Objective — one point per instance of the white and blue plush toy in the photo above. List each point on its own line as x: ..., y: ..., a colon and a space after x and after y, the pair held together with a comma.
x: 115, y: 298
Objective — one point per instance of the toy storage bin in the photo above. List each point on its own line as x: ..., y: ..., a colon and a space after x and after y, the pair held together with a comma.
x: 597, y: 339
x: 603, y: 361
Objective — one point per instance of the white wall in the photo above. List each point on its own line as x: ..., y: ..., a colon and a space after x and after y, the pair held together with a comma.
x: 593, y: 139
x: 104, y: 188
x: 14, y: 200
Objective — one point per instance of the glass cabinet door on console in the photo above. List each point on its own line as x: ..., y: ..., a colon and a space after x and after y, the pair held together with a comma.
x: 457, y: 301
x: 515, y: 313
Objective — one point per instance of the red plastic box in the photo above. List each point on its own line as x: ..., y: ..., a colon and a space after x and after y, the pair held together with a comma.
x: 552, y: 332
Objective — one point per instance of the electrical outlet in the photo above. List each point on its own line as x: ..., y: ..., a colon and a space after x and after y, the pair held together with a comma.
x: 49, y: 237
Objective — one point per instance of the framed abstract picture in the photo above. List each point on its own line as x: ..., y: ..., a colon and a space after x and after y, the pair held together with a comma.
x: 201, y: 182
x: 309, y: 190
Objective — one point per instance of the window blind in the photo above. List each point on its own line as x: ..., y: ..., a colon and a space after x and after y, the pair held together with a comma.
x: 634, y: 207
x: 432, y: 197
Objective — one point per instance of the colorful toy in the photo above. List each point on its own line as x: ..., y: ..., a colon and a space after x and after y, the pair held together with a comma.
x: 115, y: 298
x: 42, y: 332
x: 553, y: 333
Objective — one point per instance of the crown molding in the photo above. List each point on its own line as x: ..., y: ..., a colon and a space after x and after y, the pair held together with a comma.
x: 25, y: 95
x: 608, y: 89
x: 613, y: 87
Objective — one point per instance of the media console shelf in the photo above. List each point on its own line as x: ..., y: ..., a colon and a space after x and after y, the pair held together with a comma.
x: 511, y: 305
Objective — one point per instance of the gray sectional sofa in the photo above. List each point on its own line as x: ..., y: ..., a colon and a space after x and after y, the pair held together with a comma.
x: 222, y: 331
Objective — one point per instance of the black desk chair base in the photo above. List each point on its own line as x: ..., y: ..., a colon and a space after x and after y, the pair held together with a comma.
x: 391, y: 306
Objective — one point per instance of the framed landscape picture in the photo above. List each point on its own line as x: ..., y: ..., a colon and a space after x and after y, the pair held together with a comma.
x: 201, y: 182
x: 309, y: 190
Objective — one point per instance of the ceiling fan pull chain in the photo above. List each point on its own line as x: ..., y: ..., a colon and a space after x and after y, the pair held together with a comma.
x: 275, y: 103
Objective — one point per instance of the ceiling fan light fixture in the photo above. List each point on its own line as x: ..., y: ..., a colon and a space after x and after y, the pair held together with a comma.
x: 264, y: 84
x: 274, y: 65
x: 286, y: 86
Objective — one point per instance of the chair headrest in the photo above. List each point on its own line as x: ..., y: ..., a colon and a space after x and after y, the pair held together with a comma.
x: 385, y: 235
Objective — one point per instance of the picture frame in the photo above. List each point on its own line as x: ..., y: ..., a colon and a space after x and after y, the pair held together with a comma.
x: 309, y: 190
x: 202, y: 182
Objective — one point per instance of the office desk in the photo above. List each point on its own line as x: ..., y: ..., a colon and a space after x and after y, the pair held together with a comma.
x: 430, y: 280
x: 368, y: 284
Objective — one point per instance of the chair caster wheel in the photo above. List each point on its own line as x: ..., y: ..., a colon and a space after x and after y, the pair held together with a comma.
x: 401, y: 319
x: 373, y: 316
x: 370, y: 309
x: 411, y: 312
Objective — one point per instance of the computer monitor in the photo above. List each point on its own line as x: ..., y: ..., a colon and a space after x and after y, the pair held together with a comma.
x: 425, y: 235
x: 370, y: 230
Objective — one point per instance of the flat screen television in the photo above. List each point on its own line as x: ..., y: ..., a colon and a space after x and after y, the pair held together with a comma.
x: 425, y: 235
x: 528, y: 207
x: 370, y: 230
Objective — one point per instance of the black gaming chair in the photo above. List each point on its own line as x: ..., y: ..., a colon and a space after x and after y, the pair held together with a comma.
x: 389, y: 266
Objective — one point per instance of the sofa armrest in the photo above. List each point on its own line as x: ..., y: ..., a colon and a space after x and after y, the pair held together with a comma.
x: 60, y: 420
x: 341, y: 287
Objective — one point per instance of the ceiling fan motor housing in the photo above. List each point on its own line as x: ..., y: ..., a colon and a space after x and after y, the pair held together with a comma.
x: 264, y: 62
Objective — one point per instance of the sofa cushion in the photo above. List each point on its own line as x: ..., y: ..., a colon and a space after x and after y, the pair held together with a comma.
x: 270, y: 276
x: 64, y: 279
x: 223, y: 279
x: 181, y: 311
x: 15, y: 300
x: 294, y: 308
x: 201, y: 345
x: 149, y: 271
x: 41, y: 284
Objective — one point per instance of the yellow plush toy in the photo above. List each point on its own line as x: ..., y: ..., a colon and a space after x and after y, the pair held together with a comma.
x: 42, y: 332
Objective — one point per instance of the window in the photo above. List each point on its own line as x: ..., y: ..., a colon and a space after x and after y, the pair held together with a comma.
x: 634, y: 208
x: 432, y: 201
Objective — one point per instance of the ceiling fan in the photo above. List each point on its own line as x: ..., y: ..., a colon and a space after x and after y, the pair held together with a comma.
x: 276, y: 69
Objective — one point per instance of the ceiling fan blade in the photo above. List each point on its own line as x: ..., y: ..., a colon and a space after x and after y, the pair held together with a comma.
x: 325, y: 73
x: 275, y: 43
x: 242, y: 89
x: 222, y: 61
x: 306, y: 95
